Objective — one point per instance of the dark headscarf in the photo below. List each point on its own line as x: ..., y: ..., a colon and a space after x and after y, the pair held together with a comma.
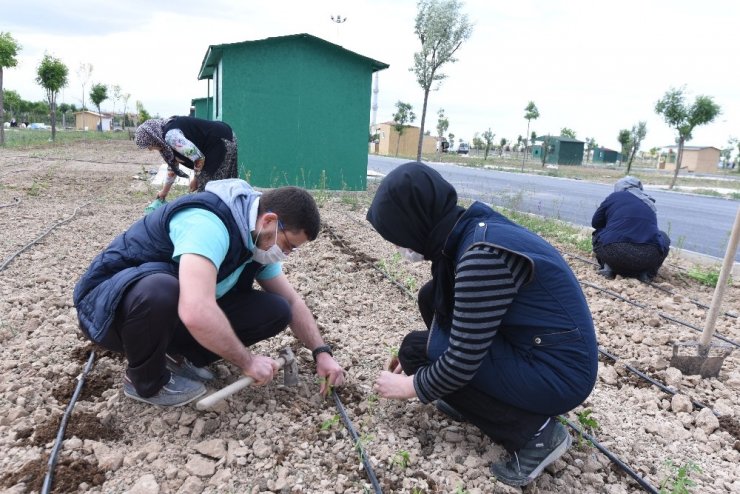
x: 416, y: 208
x: 151, y: 133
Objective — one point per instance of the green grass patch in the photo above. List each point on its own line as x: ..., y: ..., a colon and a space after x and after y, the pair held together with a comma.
x: 36, y: 138
x: 706, y: 275
x: 552, y: 229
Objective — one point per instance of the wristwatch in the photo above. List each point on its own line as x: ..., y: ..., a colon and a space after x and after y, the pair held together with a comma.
x: 321, y: 349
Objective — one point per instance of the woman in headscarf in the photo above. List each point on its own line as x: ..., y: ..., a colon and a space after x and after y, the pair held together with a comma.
x: 206, y: 147
x: 509, y: 342
x: 626, y: 238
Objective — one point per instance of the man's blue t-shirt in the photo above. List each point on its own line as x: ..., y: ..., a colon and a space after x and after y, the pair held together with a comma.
x: 198, y: 231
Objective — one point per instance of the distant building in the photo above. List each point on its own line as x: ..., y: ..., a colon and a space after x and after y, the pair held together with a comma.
x: 561, y: 150
x: 299, y: 106
x: 605, y: 155
x: 391, y: 143
x: 89, y: 120
x: 695, y: 158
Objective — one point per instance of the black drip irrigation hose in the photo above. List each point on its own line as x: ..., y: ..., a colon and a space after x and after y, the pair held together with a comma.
x: 663, y: 387
x: 698, y: 303
x: 643, y: 483
x: 660, y: 314
x: 46, y: 488
x: 357, y: 443
x: 36, y: 240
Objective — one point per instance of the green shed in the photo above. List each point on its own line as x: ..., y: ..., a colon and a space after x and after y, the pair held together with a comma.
x: 200, y: 108
x: 300, y: 107
x: 605, y: 155
x: 561, y: 150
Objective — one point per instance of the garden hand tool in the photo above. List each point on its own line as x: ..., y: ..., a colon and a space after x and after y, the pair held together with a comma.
x: 286, y: 361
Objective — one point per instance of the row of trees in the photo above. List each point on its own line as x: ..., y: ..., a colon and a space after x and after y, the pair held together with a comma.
x: 52, y: 75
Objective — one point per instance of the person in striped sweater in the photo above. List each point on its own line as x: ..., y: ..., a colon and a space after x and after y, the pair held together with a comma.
x: 509, y: 342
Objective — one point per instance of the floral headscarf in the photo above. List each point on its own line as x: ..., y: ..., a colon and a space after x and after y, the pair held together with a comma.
x: 151, y: 133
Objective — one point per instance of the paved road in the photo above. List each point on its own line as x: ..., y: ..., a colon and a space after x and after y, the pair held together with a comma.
x: 695, y: 223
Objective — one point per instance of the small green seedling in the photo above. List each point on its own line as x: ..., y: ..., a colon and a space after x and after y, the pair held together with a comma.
x: 461, y: 490
x: 329, y: 423
x: 402, y: 458
x: 678, y: 481
x: 360, y: 444
x: 588, y: 424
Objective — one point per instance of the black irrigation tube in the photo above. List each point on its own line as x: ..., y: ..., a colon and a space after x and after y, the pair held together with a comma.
x: 643, y: 483
x: 27, y: 246
x: 663, y: 387
x: 654, y: 285
x: 661, y: 314
x: 15, y: 202
x: 357, y: 443
x: 49, y: 478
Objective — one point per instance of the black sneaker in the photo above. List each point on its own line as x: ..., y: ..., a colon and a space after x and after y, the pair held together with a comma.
x: 527, y: 464
x: 449, y: 410
x: 607, y: 272
x: 177, y: 392
x: 645, y: 277
x: 183, y: 367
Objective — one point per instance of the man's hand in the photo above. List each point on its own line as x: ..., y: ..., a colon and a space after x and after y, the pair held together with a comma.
x: 261, y: 369
x: 329, y: 371
x: 395, y: 386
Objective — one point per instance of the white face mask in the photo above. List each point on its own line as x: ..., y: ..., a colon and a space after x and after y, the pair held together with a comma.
x: 410, y: 255
x: 271, y: 255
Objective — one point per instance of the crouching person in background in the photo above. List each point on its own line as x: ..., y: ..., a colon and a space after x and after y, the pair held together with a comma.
x: 175, y: 292
x: 509, y: 344
x: 626, y: 238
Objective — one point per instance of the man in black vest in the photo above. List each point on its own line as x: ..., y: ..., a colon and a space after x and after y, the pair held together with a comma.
x: 175, y: 292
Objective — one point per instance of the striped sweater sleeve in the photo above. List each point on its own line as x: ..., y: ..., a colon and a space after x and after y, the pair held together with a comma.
x: 486, y: 282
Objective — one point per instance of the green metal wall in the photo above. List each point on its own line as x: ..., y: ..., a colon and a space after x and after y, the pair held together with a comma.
x: 569, y: 153
x: 203, y: 107
x: 300, y: 110
x: 605, y: 156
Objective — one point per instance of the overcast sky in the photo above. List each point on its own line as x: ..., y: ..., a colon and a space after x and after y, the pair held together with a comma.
x: 593, y: 66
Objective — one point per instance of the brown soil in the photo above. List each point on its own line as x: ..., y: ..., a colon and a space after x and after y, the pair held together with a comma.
x: 72, y: 200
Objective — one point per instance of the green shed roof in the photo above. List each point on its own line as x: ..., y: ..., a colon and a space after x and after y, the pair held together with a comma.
x: 214, y: 53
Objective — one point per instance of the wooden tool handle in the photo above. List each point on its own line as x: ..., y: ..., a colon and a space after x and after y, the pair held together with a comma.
x: 229, y: 390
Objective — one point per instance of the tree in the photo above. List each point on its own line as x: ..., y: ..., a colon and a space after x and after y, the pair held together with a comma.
x: 442, y: 125
x: 685, y: 118
x: 531, y: 113
x: 502, y: 143
x: 84, y: 71
x: 404, y: 114
x: 488, y: 137
x: 590, y: 146
x: 52, y: 76
x: 478, y: 142
x: 451, y: 140
x: 637, y: 135
x: 545, y: 149
x: 442, y: 28
x: 125, y: 97
x: 9, y: 49
x: 141, y: 114
x: 116, y: 96
x: 63, y: 109
x: 623, y: 138
x: 98, y: 94
x: 566, y: 132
